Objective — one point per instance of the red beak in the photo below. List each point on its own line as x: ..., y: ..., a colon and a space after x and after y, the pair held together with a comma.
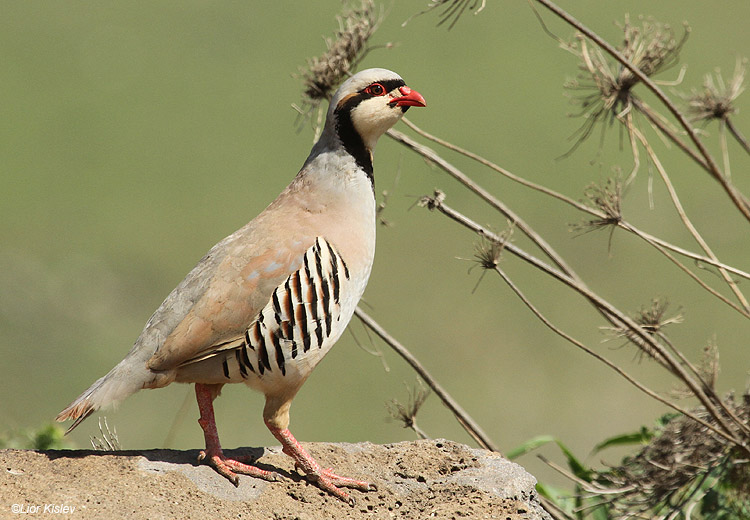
x: 409, y: 98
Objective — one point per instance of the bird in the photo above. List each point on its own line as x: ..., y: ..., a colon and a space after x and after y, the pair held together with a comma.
x: 266, y: 303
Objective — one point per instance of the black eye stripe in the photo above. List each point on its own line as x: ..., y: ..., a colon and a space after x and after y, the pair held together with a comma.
x: 388, y: 84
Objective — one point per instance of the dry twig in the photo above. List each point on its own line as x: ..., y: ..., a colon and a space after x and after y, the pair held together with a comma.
x: 463, y: 418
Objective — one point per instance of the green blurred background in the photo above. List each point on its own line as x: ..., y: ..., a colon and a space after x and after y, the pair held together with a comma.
x: 135, y: 135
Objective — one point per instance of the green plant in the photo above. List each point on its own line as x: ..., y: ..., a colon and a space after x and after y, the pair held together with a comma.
x: 47, y: 437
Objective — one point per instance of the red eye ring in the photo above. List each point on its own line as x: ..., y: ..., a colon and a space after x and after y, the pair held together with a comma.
x: 376, y: 89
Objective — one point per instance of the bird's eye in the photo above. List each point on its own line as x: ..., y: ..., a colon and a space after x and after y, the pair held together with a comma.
x: 376, y: 89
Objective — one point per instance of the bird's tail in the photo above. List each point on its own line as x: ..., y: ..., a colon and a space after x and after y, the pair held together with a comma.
x: 121, y: 382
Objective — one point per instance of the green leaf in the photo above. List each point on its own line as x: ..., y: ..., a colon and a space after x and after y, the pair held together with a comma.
x: 575, y: 465
x: 662, y: 421
x: 529, y: 445
x: 562, y: 498
x: 625, y: 439
x: 600, y: 513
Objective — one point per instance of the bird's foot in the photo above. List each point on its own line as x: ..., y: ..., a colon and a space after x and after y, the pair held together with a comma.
x: 325, y: 479
x: 228, y: 468
x: 328, y: 481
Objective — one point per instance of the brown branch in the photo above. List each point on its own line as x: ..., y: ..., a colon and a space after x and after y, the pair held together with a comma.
x: 567, y: 276
x: 737, y: 134
x: 644, y: 109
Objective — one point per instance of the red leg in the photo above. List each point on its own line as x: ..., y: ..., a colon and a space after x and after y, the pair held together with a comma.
x: 326, y: 479
x: 213, y: 454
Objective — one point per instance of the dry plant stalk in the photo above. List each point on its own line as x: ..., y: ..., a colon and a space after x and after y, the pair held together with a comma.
x: 108, y: 441
x: 733, y: 430
x: 464, y: 419
x: 453, y: 9
x: 567, y: 276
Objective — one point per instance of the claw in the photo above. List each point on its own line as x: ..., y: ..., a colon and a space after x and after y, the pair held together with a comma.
x: 228, y: 468
x: 332, y: 483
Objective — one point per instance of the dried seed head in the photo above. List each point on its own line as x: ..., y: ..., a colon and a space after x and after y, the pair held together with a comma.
x: 407, y: 414
x: 709, y: 367
x: 603, y: 88
x: 488, y: 253
x: 607, y: 198
x: 652, y: 48
x: 652, y: 317
x: 652, y: 320
x: 432, y: 202
x: 715, y: 101
x: 349, y: 44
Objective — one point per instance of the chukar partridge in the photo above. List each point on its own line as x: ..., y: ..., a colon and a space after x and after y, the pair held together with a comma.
x: 267, y: 303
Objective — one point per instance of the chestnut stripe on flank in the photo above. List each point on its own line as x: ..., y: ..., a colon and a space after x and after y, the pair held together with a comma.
x: 298, y: 284
x: 325, y: 296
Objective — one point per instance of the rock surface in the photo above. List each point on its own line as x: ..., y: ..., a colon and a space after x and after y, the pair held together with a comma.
x: 415, y: 480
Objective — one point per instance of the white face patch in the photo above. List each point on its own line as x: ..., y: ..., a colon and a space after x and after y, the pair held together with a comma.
x: 373, y: 117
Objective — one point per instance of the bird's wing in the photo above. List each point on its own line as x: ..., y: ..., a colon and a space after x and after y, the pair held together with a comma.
x: 240, y: 285
x: 299, y: 315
